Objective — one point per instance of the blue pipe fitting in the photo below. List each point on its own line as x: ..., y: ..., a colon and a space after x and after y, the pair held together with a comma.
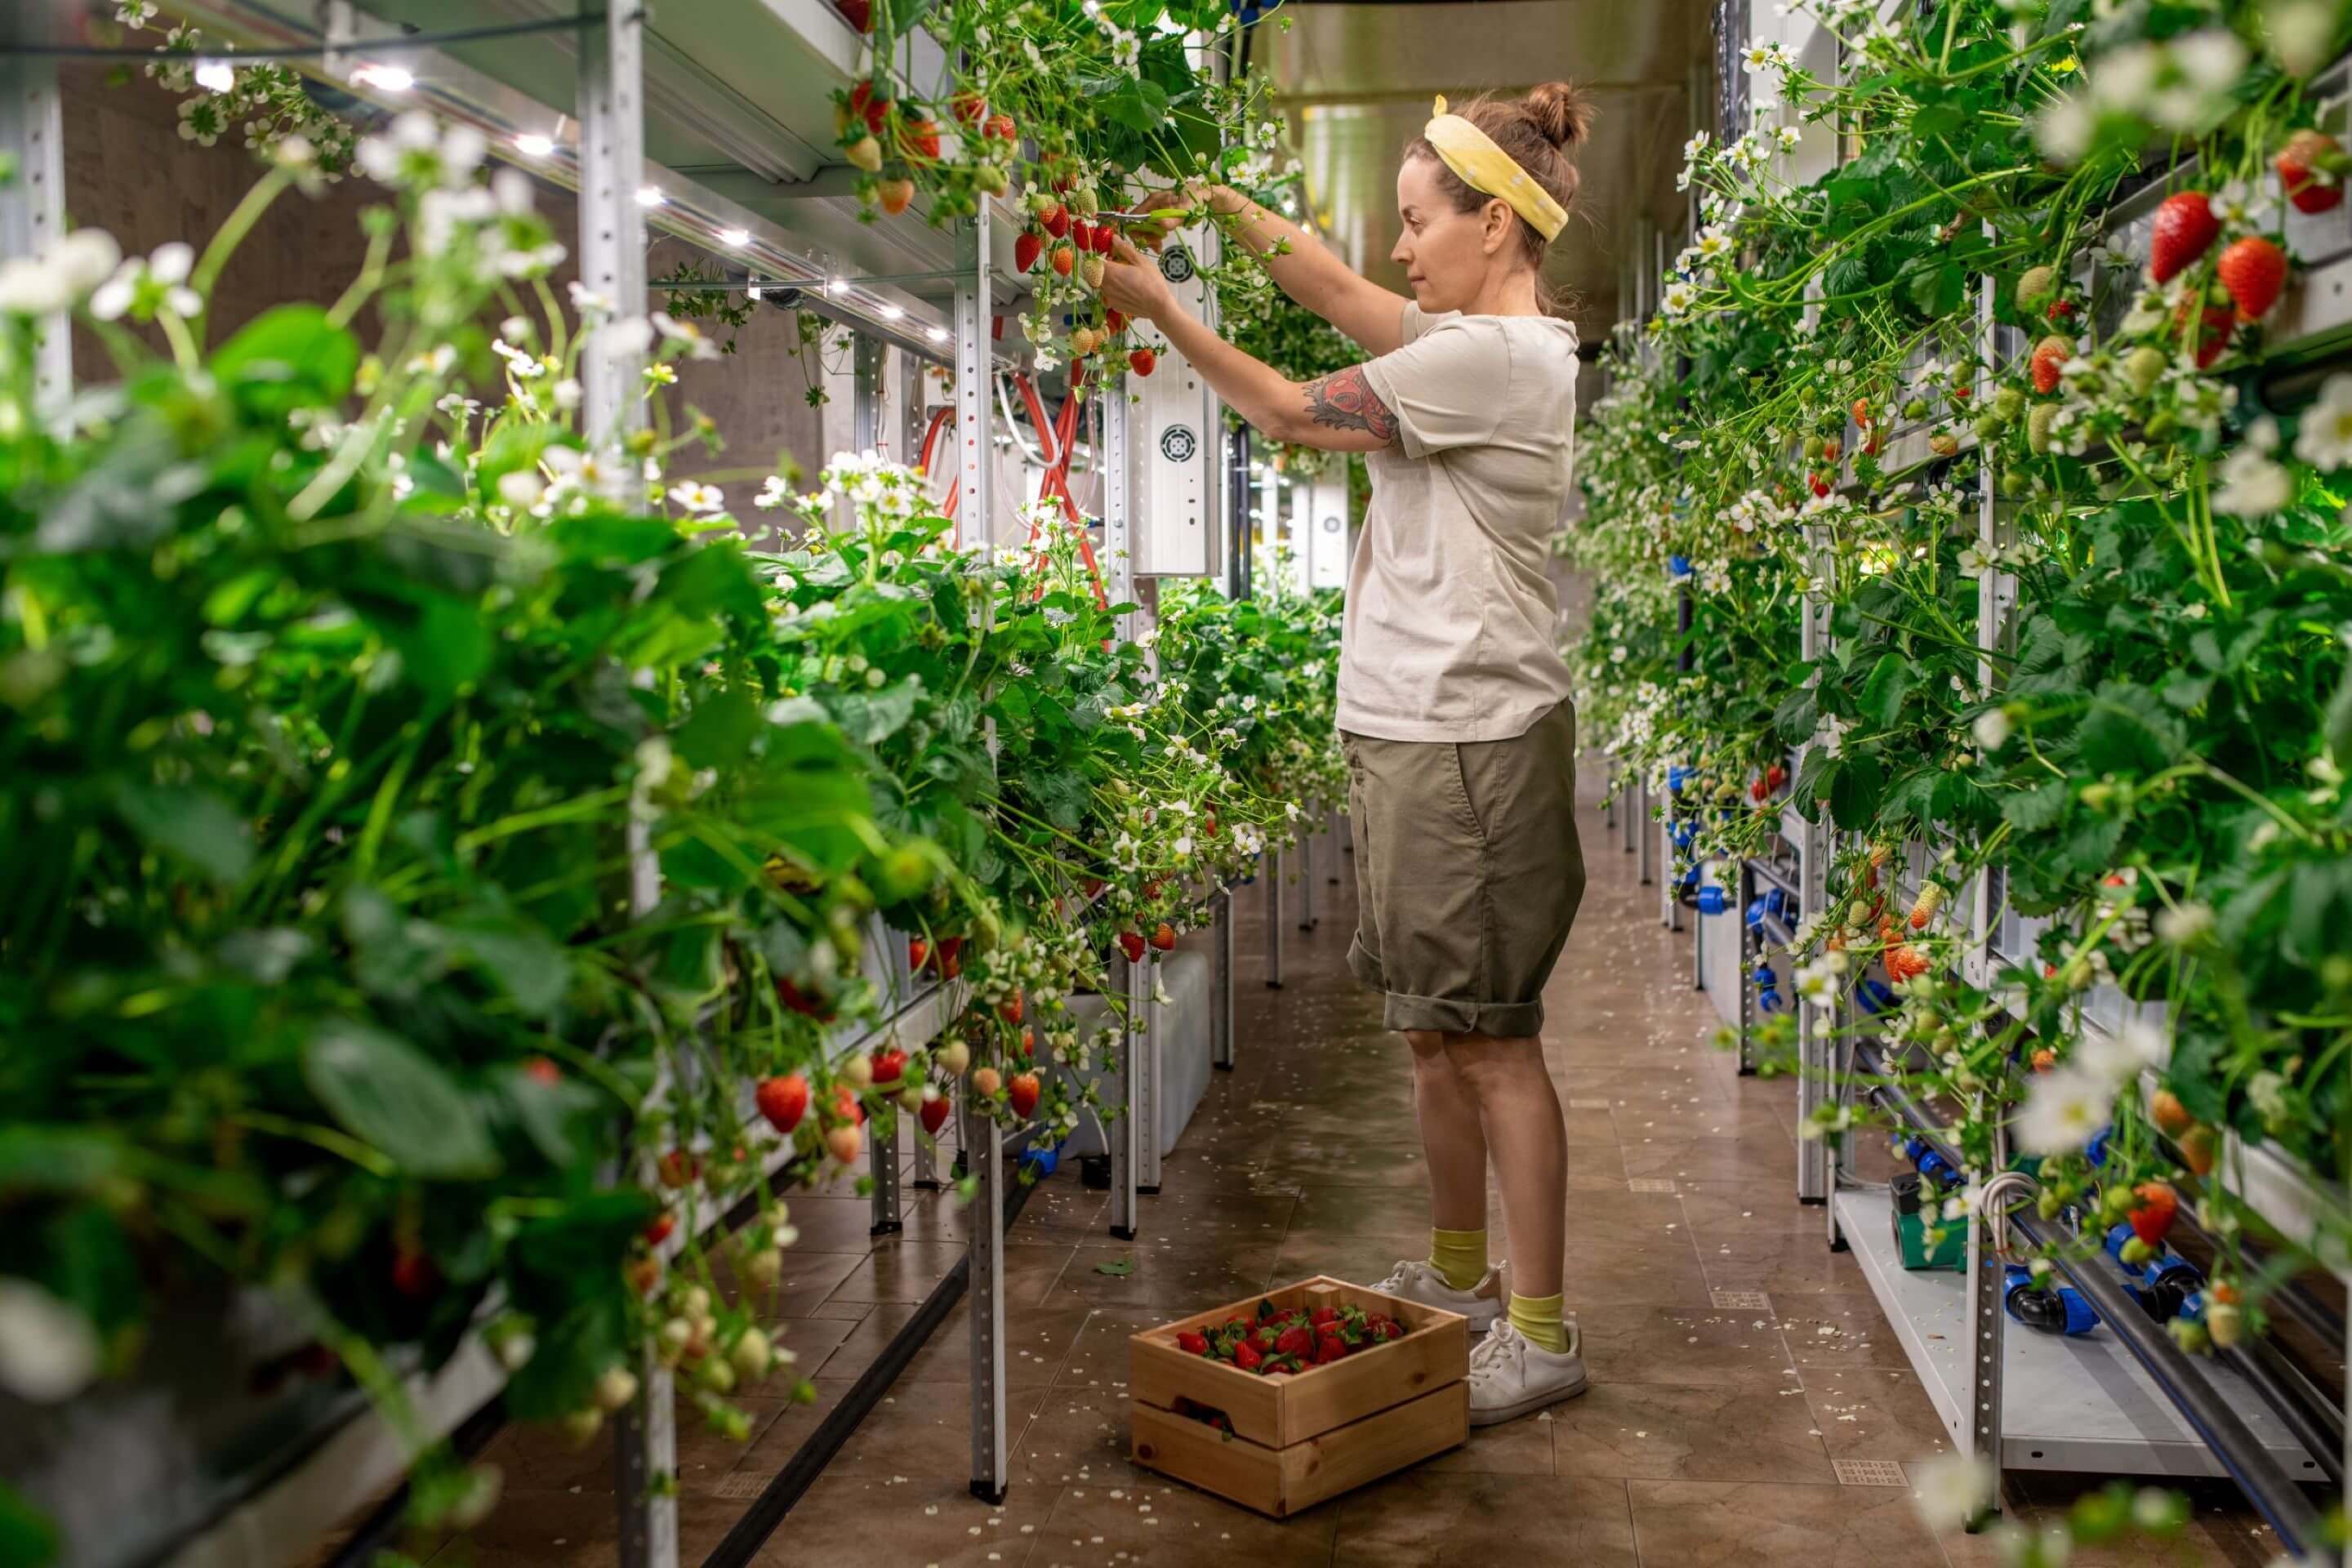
x: 1711, y: 901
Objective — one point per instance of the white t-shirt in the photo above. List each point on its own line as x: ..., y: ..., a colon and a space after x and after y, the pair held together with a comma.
x: 1451, y: 617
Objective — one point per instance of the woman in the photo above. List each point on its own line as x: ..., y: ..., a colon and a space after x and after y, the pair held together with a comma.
x: 1453, y: 699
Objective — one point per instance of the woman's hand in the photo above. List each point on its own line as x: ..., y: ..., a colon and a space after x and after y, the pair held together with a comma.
x: 1132, y: 284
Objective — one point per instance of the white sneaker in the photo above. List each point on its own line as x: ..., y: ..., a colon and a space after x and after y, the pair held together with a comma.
x: 1419, y: 1281
x: 1511, y: 1377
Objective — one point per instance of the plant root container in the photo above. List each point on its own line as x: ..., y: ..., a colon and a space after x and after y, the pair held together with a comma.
x: 1280, y: 1445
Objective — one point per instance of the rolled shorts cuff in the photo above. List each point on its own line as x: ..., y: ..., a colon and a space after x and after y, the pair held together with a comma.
x: 1448, y: 1015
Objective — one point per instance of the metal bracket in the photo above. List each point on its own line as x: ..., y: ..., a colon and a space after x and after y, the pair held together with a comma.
x: 990, y: 1461
x: 882, y: 1154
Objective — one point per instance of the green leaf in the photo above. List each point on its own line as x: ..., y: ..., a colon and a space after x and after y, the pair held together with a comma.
x: 1883, y: 693
x: 2338, y: 725
x: 27, y: 1537
x: 2128, y: 730
x: 195, y: 824
x: 720, y: 732
x: 2030, y: 811
x: 1798, y: 716
x: 1855, y: 791
x: 1119, y: 1267
x: 388, y: 1093
x: 445, y: 643
x: 288, y: 358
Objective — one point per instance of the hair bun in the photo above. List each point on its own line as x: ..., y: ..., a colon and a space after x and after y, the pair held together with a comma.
x: 1561, y: 111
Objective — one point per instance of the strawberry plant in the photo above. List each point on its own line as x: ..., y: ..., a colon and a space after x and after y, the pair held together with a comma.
x: 2148, y: 749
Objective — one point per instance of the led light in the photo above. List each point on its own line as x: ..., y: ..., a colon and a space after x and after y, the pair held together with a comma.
x: 888, y: 312
x: 216, y: 76
x: 384, y: 78
x: 532, y: 145
x: 754, y: 291
x: 737, y: 237
x: 650, y: 197
x: 937, y: 334
x: 835, y: 288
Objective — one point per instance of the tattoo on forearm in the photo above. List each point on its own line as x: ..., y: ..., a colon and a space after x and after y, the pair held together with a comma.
x: 1344, y: 400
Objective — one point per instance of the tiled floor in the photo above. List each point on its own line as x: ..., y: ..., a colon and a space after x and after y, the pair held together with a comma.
x: 1709, y: 1435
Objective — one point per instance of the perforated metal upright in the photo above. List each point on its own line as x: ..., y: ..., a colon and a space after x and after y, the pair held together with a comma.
x: 1126, y: 1138
x: 1270, y: 872
x: 32, y: 204
x: 1306, y: 917
x: 1816, y: 1041
x: 609, y: 96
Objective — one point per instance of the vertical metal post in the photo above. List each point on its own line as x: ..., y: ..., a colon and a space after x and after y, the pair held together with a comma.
x: 883, y: 1155
x: 1645, y: 835
x: 975, y: 442
x: 1270, y: 873
x: 866, y: 393
x: 984, y: 1149
x: 1816, y: 1049
x: 1751, y: 957
x: 610, y: 93
x: 1121, y: 1135
x: 1331, y: 836
x: 1306, y: 874
x: 927, y: 1166
x: 1988, y: 1280
x: 1117, y: 499
x: 32, y: 205
x: 1221, y: 985
x: 1143, y: 1080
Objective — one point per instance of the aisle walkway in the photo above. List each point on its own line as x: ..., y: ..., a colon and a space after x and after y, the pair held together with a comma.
x: 1736, y: 1362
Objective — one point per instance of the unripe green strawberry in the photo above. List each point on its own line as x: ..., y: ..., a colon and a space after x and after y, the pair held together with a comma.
x: 1988, y: 426
x: 2008, y: 402
x: 1916, y: 409
x: 2034, y: 289
x: 2142, y: 366
x: 2037, y: 428
x: 1812, y: 448
x: 2013, y: 484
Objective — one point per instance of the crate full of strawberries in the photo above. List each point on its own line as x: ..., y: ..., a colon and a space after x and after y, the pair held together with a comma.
x: 1281, y: 1401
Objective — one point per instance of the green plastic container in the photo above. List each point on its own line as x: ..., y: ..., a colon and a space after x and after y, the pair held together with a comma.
x: 1916, y: 1207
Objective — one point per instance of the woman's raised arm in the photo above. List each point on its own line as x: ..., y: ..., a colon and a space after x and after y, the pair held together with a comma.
x: 1307, y: 271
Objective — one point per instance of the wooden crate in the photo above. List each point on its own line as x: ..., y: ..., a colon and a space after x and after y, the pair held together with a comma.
x: 1312, y: 1434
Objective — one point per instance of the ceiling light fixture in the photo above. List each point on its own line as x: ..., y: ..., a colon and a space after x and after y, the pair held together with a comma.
x: 384, y: 78
x: 889, y: 312
x: 530, y: 145
x: 650, y: 197
x: 216, y: 76
x: 737, y: 237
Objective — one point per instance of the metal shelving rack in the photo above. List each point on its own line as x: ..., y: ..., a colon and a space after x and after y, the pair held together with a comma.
x: 739, y: 92
x: 2127, y: 1401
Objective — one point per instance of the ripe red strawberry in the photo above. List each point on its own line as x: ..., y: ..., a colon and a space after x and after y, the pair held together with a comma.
x: 1056, y: 220
x: 542, y: 1071
x: 1862, y: 412
x: 2158, y: 1203
x: 1329, y: 1349
x: 2059, y: 310
x: 922, y: 137
x: 919, y: 953
x: 1775, y: 776
x: 890, y: 1066
x: 950, y: 956
x: 1026, y: 248
x: 846, y: 1105
x: 677, y: 1168
x: 1247, y: 1356
x: 1291, y: 1341
x: 1756, y: 790
x: 2254, y: 270
x: 799, y: 1001
x: 2306, y: 170
x: 1191, y: 1343
x: 934, y: 1114
x: 1832, y: 449
x: 1131, y: 943
x: 1321, y: 1316
x: 1082, y: 235
x: 1022, y: 1091
x: 659, y: 1231
x: 1011, y: 1009
x: 1821, y: 487
x: 2185, y: 229
x: 1114, y: 321
x: 1028, y: 1045
x: 413, y: 1273
x: 1143, y: 362
x: 866, y: 106
x: 1093, y: 885
x: 1001, y: 127
x: 1164, y: 937
x: 783, y: 1100
x: 1065, y: 260
x: 971, y: 109
x: 2049, y: 354
x: 1104, y: 235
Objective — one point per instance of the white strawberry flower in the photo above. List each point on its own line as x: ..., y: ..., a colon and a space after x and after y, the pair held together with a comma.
x: 696, y: 497
x: 140, y: 288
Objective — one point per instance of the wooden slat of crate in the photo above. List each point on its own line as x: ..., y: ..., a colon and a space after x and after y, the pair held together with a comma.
x: 1281, y: 1412
x: 1283, y: 1481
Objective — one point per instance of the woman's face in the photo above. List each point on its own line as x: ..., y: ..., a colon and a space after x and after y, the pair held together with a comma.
x: 1446, y: 255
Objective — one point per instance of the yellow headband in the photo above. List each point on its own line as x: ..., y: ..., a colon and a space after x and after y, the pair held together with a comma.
x: 1478, y: 163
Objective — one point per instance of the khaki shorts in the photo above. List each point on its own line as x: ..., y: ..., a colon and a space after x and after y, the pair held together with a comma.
x: 1468, y: 873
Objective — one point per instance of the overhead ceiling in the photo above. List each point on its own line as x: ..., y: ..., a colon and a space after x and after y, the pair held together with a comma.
x: 1356, y: 80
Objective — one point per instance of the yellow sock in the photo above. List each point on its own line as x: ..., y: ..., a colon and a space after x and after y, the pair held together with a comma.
x: 1459, y: 1255
x: 1539, y: 1318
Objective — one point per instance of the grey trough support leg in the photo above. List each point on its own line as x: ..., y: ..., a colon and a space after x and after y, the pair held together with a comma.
x: 1220, y: 985
x: 991, y: 1464
x: 1119, y: 1132
x: 1331, y: 820
x: 1306, y: 878
x: 927, y: 1166
x: 1143, y: 1091
x: 883, y: 1151
x: 1270, y: 873
x: 1988, y: 1280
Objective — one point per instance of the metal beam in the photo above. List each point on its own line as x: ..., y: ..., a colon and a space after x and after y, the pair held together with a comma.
x: 32, y: 205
